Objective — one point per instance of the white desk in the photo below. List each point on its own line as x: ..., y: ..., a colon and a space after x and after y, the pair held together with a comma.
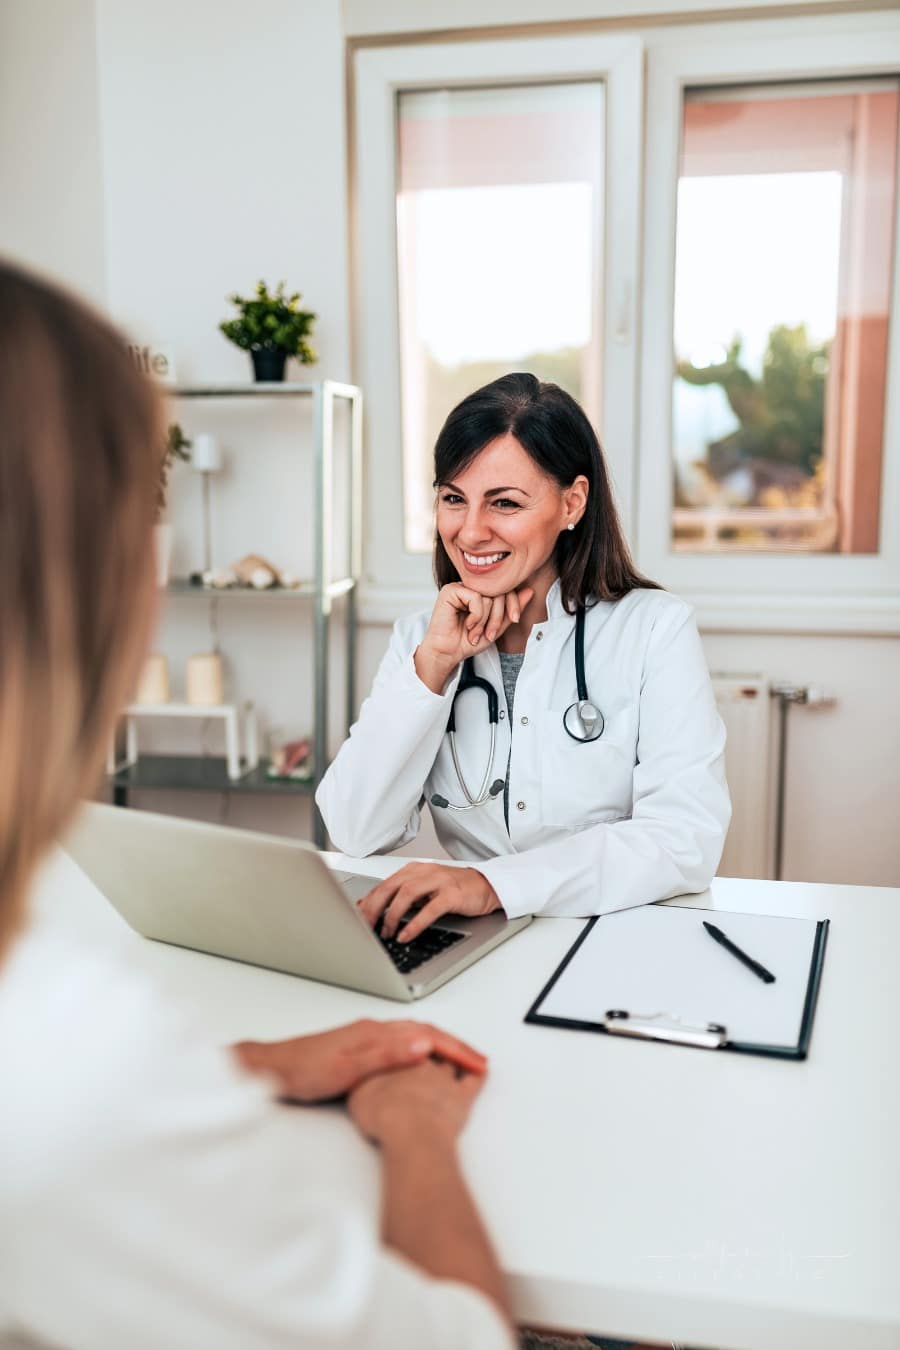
x: 637, y: 1189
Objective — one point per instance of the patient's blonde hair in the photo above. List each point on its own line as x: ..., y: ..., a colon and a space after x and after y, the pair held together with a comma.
x: 80, y: 446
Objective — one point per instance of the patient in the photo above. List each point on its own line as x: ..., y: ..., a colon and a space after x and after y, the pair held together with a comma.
x: 153, y: 1190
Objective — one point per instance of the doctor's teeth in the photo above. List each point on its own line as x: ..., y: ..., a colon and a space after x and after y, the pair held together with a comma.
x: 485, y: 561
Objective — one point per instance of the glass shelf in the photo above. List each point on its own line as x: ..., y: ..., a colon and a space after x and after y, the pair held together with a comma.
x: 183, y: 587
x: 265, y: 389
x: 203, y: 773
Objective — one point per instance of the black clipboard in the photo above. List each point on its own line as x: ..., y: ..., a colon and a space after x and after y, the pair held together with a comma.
x: 660, y: 1027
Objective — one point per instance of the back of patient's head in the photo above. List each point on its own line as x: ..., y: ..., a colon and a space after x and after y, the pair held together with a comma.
x: 79, y: 457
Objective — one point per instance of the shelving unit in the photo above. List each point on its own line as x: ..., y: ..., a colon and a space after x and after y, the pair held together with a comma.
x: 200, y: 773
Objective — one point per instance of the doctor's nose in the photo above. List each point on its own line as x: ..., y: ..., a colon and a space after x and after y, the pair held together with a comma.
x: 474, y: 531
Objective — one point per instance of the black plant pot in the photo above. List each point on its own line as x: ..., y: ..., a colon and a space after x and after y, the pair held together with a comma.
x: 268, y: 365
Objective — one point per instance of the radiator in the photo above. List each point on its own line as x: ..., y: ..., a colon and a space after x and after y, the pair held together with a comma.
x: 746, y: 709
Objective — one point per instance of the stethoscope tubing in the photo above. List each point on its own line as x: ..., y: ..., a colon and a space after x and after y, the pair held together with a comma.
x: 588, y: 715
x: 482, y: 795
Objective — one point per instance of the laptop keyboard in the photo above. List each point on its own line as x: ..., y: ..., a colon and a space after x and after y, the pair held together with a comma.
x: 406, y: 956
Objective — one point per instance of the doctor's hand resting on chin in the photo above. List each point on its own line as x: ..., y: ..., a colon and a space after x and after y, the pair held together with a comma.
x: 554, y: 708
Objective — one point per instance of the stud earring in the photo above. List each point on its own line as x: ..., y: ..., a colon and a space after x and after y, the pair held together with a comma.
x: 571, y: 525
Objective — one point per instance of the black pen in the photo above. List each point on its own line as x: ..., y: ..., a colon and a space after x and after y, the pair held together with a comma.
x: 729, y: 946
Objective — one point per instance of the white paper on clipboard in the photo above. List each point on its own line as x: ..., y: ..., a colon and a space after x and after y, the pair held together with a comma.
x: 660, y: 959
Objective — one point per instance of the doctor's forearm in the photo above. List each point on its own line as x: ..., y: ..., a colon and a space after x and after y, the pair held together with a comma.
x: 370, y: 795
x: 608, y: 867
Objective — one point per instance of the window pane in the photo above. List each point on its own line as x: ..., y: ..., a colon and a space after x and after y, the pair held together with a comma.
x: 782, y: 285
x: 498, y: 237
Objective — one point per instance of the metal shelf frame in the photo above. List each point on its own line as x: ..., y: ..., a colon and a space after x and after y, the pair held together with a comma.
x: 172, y: 771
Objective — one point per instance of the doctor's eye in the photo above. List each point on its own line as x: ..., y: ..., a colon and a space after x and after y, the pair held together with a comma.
x: 505, y: 503
x: 451, y: 498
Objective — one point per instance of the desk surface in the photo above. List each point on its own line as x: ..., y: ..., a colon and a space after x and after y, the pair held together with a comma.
x: 642, y: 1189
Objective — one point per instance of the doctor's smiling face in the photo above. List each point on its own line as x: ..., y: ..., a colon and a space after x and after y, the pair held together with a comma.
x: 501, y: 516
x: 515, y: 464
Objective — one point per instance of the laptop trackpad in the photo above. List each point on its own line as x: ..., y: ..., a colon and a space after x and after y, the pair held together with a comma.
x: 354, y: 885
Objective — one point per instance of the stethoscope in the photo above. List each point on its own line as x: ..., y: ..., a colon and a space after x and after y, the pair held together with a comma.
x: 582, y: 720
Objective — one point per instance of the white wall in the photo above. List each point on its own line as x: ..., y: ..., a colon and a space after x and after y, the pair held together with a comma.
x: 363, y: 18
x: 223, y: 160
x: 50, y: 175
x: 843, y: 764
x: 223, y: 146
x: 223, y: 138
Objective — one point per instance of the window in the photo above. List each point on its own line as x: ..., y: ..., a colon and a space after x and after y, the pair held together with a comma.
x: 786, y: 201
x: 769, y: 220
x: 499, y: 210
x: 485, y: 241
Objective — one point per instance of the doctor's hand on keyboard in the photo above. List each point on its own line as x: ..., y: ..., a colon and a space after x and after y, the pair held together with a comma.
x: 444, y: 890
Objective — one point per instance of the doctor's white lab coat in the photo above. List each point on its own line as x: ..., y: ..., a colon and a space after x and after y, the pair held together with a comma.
x: 636, y: 816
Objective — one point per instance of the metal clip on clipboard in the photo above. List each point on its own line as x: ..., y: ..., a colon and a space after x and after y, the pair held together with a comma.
x: 665, y: 1027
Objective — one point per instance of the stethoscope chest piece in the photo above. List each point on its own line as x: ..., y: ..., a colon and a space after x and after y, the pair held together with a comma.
x: 583, y: 722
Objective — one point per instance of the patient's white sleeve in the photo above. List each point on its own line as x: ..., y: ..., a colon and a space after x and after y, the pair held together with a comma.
x: 154, y: 1195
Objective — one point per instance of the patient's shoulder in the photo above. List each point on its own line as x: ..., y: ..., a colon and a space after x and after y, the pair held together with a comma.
x: 92, y: 1059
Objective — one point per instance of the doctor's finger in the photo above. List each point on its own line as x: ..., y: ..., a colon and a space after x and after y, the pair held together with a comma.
x: 496, y: 616
x: 512, y: 611
x: 467, y: 603
x: 408, y: 895
x: 372, y: 906
x: 460, y: 607
x: 438, y: 905
x: 479, y: 614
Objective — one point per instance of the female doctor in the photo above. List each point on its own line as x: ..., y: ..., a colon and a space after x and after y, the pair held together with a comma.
x: 555, y: 708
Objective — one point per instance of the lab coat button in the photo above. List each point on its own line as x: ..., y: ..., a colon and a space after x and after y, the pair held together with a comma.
x: 520, y: 805
x: 502, y: 715
x: 538, y: 637
x: 524, y: 721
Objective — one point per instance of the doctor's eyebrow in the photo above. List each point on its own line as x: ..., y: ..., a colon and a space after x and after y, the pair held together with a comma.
x: 491, y: 492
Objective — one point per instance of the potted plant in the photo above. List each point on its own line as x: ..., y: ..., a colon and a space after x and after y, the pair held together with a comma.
x: 271, y: 326
x: 176, y: 447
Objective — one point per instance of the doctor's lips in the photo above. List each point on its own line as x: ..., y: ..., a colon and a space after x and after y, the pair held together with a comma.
x: 482, y: 562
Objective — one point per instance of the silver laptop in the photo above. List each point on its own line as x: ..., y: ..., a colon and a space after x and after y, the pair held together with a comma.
x: 264, y: 900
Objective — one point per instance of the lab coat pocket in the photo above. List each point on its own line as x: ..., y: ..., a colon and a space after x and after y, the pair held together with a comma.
x: 586, y: 782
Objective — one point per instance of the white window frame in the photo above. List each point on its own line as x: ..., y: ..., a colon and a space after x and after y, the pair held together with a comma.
x: 762, y: 592
x: 397, y: 581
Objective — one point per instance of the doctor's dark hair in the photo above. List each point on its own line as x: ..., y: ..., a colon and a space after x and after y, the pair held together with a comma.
x: 592, y: 561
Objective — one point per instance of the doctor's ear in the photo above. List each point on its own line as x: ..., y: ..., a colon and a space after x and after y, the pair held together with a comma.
x: 575, y: 498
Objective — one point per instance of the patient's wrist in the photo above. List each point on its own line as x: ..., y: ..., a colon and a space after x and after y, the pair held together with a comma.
x: 403, y: 1133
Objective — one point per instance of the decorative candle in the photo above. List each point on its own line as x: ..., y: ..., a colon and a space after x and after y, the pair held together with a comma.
x: 206, y: 456
x: 205, y: 683
x: 153, y: 686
